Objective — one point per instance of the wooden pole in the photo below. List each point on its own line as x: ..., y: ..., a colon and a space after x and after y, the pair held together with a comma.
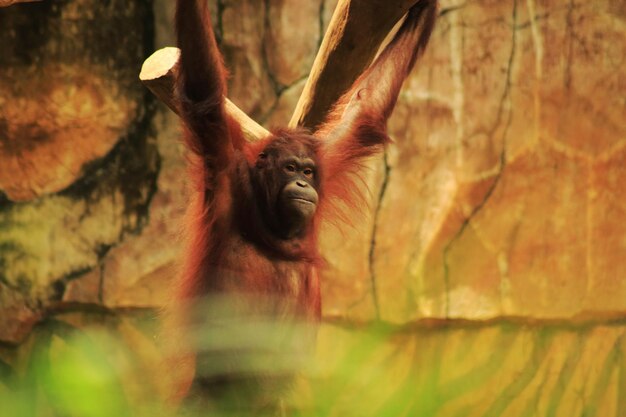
x: 355, y: 32
x: 158, y: 73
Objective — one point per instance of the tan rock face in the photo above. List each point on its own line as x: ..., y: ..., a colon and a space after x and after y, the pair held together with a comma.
x: 48, y: 155
x: 66, y: 95
x: 242, y: 29
x: 502, y: 194
x: 78, y: 162
x: 292, y: 36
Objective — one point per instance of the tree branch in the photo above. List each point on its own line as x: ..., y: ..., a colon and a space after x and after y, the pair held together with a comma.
x: 354, y: 34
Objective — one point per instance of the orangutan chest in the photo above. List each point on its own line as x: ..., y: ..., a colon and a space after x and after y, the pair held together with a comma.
x: 243, y: 267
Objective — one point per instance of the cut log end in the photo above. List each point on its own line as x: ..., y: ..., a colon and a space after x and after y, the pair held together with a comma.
x: 159, y: 63
x: 158, y: 74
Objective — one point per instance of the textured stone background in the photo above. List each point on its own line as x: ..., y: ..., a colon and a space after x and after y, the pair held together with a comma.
x: 501, y: 200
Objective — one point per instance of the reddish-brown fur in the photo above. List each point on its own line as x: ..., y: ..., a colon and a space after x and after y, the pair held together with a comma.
x: 229, y: 251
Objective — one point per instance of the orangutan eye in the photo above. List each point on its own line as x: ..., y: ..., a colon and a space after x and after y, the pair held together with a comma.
x: 290, y: 168
x: 261, y: 161
x: 308, y: 172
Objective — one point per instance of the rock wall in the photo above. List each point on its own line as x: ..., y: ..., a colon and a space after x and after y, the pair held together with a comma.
x: 500, y: 199
x: 79, y: 158
x: 500, y: 196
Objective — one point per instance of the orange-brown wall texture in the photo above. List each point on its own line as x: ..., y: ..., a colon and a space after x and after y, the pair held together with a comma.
x: 495, y: 239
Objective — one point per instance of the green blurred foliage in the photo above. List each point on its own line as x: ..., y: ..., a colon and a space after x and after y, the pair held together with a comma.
x: 488, y: 370
x: 84, y: 373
